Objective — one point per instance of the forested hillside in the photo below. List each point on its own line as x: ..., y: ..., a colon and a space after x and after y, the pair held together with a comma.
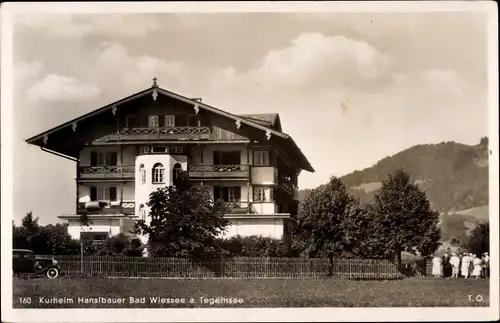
x: 454, y: 175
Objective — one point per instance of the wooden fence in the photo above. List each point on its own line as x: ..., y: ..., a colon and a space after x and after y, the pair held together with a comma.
x: 226, y: 268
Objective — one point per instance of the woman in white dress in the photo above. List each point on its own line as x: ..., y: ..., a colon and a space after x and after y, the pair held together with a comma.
x: 465, y: 265
x: 455, y: 264
x: 476, y: 272
x: 437, y: 267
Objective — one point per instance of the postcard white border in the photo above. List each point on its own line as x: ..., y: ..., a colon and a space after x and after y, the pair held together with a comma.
x: 247, y: 314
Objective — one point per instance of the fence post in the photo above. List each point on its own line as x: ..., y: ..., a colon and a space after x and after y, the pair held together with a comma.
x: 81, y: 259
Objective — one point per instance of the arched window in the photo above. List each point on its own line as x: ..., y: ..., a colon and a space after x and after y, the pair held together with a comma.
x: 158, y: 174
x: 176, y: 172
x: 142, y: 174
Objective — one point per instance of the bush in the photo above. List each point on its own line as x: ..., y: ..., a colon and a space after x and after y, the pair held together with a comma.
x: 253, y: 246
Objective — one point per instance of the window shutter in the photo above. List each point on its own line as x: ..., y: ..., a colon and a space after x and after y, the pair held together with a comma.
x: 217, y: 193
x: 93, y: 158
x: 112, y: 193
x: 93, y: 193
x: 113, y: 159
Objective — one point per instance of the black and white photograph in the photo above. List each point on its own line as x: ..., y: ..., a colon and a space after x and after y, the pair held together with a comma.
x: 249, y: 161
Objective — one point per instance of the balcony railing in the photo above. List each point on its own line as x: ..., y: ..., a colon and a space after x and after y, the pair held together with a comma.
x: 219, y: 171
x: 157, y: 133
x: 106, y: 208
x: 104, y: 172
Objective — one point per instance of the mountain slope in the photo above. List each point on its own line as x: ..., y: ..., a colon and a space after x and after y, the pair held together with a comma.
x: 454, y: 176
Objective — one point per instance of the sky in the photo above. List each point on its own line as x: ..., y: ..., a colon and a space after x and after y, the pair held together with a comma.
x: 350, y: 88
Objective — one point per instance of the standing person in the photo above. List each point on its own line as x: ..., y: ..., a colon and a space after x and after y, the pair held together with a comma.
x: 466, y: 259
x: 486, y: 265
x: 455, y: 263
x: 471, y: 266
x: 437, y: 266
x: 476, y: 272
x: 446, y: 266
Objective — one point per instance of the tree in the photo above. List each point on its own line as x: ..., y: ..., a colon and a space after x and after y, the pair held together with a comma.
x: 120, y: 245
x: 184, y: 221
x: 43, y: 240
x: 403, y: 219
x: 330, y: 222
x: 479, y: 239
x: 85, y: 220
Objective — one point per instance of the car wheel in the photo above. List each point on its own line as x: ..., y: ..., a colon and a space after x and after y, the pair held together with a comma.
x: 52, y: 273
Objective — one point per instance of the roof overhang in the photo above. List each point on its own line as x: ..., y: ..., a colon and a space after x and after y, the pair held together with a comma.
x: 283, y: 138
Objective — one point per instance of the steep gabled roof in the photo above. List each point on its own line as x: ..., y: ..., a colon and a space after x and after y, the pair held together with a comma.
x: 156, y: 89
x: 269, y: 123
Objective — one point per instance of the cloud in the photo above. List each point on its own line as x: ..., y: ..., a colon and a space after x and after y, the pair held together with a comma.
x: 313, y: 57
x: 136, y: 71
x: 25, y: 72
x: 56, y: 88
x: 443, y: 81
x: 68, y: 25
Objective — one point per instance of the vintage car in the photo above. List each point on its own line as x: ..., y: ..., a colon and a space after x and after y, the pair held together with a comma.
x: 25, y: 262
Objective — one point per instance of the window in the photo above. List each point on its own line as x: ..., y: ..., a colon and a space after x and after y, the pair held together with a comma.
x: 174, y: 150
x: 144, y: 150
x: 158, y: 174
x: 103, y: 193
x: 227, y: 157
x: 154, y: 122
x: 159, y: 149
x: 103, y: 158
x: 261, y: 158
x: 142, y: 174
x: 227, y: 193
x: 169, y: 121
x: 262, y: 194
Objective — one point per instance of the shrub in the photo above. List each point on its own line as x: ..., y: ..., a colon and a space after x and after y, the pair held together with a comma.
x: 253, y: 246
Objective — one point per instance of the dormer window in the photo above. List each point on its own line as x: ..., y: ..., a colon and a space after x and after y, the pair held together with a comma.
x: 158, y: 174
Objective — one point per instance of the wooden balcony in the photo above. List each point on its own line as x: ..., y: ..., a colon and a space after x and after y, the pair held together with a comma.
x: 219, y: 171
x: 106, y: 208
x: 174, y: 133
x: 107, y: 172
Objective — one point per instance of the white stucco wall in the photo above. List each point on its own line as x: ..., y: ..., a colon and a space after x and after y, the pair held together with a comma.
x: 143, y: 190
x: 265, y: 208
x: 264, y: 175
x: 261, y: 227
x: 112, y: 226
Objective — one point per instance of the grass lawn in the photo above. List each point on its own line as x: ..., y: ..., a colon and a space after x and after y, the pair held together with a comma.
x: 326, y: 292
